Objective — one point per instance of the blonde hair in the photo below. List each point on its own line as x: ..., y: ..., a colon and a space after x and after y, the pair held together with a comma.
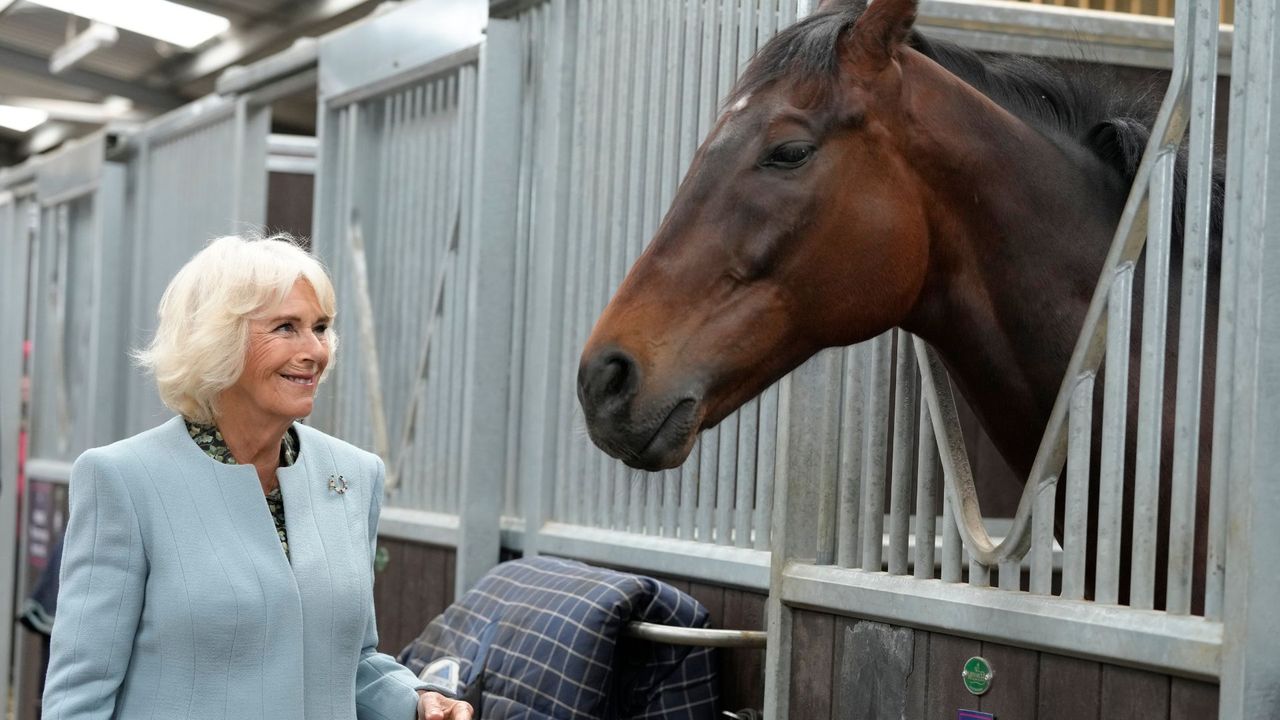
x: 203, y: 334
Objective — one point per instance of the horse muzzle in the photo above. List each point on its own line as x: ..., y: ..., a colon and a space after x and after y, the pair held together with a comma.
x: 646, y: 433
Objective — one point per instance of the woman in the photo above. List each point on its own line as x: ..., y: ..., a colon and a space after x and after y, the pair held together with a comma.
x: 220, y: 565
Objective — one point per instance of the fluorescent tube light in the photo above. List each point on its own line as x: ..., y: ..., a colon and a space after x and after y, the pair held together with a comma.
x: 168, y: 21
x: 20, y: 119
x: 96, y: 37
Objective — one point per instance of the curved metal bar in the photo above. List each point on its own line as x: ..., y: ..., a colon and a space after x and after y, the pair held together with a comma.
x: 701, y: 637
x: 1127, y: 244
x: 958, y: 475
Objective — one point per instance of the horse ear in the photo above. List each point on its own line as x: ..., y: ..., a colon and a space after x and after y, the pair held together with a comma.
x: 1119, y: 142
x: 880, y: 31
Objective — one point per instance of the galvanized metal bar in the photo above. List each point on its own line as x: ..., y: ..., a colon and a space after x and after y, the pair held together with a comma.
x: 766, y: 467
x: 748, y: 438
x: 707, y: 98
x: 691, y: 133
x: 689, y: 484
x: 673, y: 61
x: 747, y: 22
x: 1076, y: 526
x: 1042, y: 539
x: 905, y: 412
x: 728, y: 64
x: 852, y: 432
x: 768, y: 24
x: 1114, y: 420
x: 697, y: 637
x: 1011, y: 574
x: 620, y: 60
x: 663, y: 556
x: 670, y: 502
x: 787, y: 13
x: 926, y: 495
x: 727, y: 472
x: 1155, y: 311
x: 1203, y: 18
x: 952, y: 548
x: 874, y: 462
x: 1156, y: 641
x: 490, y: 270
x: 979, y: 573
x: 708, y: 482
x: 1250, y: 676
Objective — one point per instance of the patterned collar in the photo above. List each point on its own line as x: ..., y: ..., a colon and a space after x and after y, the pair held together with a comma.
x: 209, y: 438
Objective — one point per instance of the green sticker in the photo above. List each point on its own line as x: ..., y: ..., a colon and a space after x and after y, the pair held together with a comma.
x: 380, y: 559
x: 977, y: 675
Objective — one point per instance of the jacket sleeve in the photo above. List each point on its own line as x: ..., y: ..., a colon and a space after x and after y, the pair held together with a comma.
x: 101, y: 585
x: 385, y: 689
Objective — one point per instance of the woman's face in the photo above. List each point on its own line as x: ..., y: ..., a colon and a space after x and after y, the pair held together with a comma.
x: 288, y: 351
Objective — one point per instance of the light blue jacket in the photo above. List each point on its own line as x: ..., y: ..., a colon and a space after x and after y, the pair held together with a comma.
x: 177, y: 600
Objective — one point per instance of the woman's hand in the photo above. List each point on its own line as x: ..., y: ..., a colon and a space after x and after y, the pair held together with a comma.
x: 434, y: 706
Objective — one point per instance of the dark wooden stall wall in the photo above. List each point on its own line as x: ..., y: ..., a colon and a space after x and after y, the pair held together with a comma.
x: 289, y: 203
x: 44, y: 525
x: 849, y: 669
x: 415, y: 586
x: 741, y: 669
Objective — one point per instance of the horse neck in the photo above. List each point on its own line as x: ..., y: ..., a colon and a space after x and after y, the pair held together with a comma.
x: 1019, y: 229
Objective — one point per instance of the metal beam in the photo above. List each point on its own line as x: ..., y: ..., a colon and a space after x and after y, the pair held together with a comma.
x: 34, y: 64
x: 240, y: 44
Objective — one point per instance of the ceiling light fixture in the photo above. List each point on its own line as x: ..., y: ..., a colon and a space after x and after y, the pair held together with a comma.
x: 168, y: 21
x: 97, y: 36
x: 21, y: 119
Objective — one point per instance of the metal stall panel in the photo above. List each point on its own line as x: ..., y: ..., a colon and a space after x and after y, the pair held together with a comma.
x: 17, y: 223
x: 195, y: 174
x: 616, y: 96
x: 78, y: 353
x: 395, y: 223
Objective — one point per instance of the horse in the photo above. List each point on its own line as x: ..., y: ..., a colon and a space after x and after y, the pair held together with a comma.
x: 863, y: 177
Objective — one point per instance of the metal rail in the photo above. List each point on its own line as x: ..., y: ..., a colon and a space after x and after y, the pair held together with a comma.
x: 700, y: 637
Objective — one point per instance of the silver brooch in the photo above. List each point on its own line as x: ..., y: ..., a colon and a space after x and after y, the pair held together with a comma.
x: 338, y: 484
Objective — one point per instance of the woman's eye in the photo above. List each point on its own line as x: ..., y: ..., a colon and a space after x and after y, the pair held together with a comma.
x: 790, y: 155
x: 320, y: 329
x: 284, y: 327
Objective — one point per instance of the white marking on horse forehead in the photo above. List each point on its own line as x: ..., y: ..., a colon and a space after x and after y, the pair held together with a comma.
x: 741, y: 104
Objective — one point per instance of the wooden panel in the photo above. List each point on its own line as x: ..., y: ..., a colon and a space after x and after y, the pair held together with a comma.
x: 1014, y: 688
x: 712, y: 597
x: 289, y: 201
x: 1191, y: 700
x: 742, y: 669
x: 416, y: 608
x: 1128, y: 693
x: 1069, y: 688
x: 415, y: 586
x: 947, y: 693
x: 874, y: 663
x: 918, y: 683
x: 812, y: 661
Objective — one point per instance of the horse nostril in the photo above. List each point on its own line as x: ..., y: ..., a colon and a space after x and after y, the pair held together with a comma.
x: 610, y: 377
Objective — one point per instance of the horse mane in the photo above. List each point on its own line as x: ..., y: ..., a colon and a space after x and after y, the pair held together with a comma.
x: 1083, y: 103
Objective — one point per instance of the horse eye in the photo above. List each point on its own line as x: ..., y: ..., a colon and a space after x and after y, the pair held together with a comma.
x: 790, y: 155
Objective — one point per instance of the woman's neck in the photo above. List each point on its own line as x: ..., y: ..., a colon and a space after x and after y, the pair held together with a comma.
x: 254, y: 441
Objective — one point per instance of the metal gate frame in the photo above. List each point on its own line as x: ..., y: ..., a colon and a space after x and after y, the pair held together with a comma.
x: 417, y: 44
x: 18, y: 225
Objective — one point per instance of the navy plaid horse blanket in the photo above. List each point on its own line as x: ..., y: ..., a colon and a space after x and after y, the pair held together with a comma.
x: 544, y: 637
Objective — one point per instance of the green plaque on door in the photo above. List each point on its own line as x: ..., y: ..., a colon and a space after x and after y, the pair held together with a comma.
x: 977, y: 675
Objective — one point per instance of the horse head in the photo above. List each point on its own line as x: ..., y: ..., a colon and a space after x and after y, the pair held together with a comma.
x: 800, y: 225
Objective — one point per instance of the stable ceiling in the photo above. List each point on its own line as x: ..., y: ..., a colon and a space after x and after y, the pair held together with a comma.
x: 151, y: 75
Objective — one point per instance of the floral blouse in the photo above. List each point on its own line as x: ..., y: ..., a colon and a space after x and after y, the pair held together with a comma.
x: 210, y: 441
